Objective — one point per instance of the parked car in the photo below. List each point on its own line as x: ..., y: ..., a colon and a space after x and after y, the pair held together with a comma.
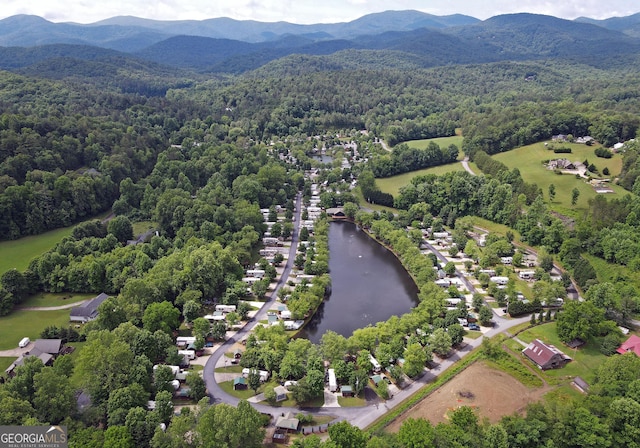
x: 474, y: 326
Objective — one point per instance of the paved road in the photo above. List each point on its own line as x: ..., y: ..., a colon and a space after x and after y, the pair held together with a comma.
x: 215, y: 392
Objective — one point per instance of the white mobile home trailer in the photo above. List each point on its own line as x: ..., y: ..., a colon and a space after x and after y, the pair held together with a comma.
x: 333, y: 384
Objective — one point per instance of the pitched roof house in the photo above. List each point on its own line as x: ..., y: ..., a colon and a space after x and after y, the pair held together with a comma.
x: 630, y: 345
x: 287, y: 422
x: 545, y: 356
x: 87, y: 311
x: 44, y: 349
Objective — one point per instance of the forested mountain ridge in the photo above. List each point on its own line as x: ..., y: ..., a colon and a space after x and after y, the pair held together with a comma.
x: 629, y: 25
x: 507, y: 37
x: 133, y: 33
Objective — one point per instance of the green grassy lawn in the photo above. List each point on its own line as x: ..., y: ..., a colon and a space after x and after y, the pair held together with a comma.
x: 351, y: 402
x: 227, y: 386
x: 443, y: 142
x: 19, y: 324
x: 511, y: 365
x: 320, y: 420
x: 363, y: 203
x: 56, y: 299
x: 18, y: 253
x: 586, y: 359
x: 392, y: 184
x: 229, y: 369
x: 493, y: 227
x: 471, y: 334
x: 5, y: 363
x: 140, y: 227
x: 528, y: 159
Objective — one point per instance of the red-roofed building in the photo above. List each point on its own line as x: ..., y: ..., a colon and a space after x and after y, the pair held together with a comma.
x: 630, y: 345
x: 545, y: 356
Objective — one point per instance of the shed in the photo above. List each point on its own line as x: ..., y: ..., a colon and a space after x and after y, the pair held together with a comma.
x: 376, y: 379
x: 581, y: 384
x: 239, y: 383
x: 347, y: 391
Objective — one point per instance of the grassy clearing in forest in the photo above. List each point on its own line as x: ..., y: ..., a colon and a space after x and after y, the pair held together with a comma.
x: 19, y: 324
x: 16, y: 254
x: 393, y: 184
x: 528, y: 159
x: 442, y: 142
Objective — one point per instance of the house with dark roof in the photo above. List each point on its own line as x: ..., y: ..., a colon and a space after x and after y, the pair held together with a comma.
x: 545, y: 356
x: 44, y: 349
x: 630, y: 345
x: 87, y: 311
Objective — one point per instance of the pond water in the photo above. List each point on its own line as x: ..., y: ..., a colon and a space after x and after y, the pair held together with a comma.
x: 322, y: 158
x: 368, y: 285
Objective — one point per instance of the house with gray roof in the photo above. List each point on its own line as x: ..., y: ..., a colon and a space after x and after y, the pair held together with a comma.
x: 87, y: 311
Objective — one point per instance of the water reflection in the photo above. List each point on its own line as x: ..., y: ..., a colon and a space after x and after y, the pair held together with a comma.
x: 369, y: 285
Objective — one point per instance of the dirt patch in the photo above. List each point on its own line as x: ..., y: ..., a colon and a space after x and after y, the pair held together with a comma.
x: 491, y: 392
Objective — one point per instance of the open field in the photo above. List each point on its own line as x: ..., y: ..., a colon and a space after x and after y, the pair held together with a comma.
x: 392, y: 184
x: 363, y: 203
x: 19, y: 324
x: 18, y: 253
x: 491, y: 392
x: 528, y: 160
x: 55, y: 299
x: 586, y: 359
x: 442, y: 142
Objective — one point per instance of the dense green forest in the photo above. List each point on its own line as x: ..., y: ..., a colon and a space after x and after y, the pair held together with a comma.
x: 201, y: 157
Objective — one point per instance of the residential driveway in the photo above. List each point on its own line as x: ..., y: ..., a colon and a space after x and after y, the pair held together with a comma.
x: 330, y: 399
x: 52, y: 308
x: 15, y: 352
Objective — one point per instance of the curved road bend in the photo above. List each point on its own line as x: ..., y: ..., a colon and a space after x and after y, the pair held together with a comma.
x: 359, y: 416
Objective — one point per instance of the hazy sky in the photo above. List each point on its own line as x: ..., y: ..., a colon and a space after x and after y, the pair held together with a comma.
x: 304, y: 11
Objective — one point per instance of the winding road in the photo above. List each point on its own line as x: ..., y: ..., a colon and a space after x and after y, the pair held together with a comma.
x: 359, y: 416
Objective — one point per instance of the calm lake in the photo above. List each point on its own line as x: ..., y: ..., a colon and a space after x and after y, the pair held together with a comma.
x: 368, y: 285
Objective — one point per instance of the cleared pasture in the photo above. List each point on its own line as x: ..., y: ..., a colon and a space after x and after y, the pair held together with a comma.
x: 528, y: 159
x: 20, y: 323
x: 393, y: 184
x: 443, y: 142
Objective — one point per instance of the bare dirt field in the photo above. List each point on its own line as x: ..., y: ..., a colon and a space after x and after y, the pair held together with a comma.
x: 491, y: 392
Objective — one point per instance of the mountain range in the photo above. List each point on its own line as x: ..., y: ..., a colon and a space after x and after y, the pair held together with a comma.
x: 401, y: 38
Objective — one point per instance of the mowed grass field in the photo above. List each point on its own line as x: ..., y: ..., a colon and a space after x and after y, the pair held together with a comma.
x: 17, y: 254
x: 443, y: 142
x: 393, y: 184
x: 55, y: 299
x: 19, y: 324
x: 528, y: 160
